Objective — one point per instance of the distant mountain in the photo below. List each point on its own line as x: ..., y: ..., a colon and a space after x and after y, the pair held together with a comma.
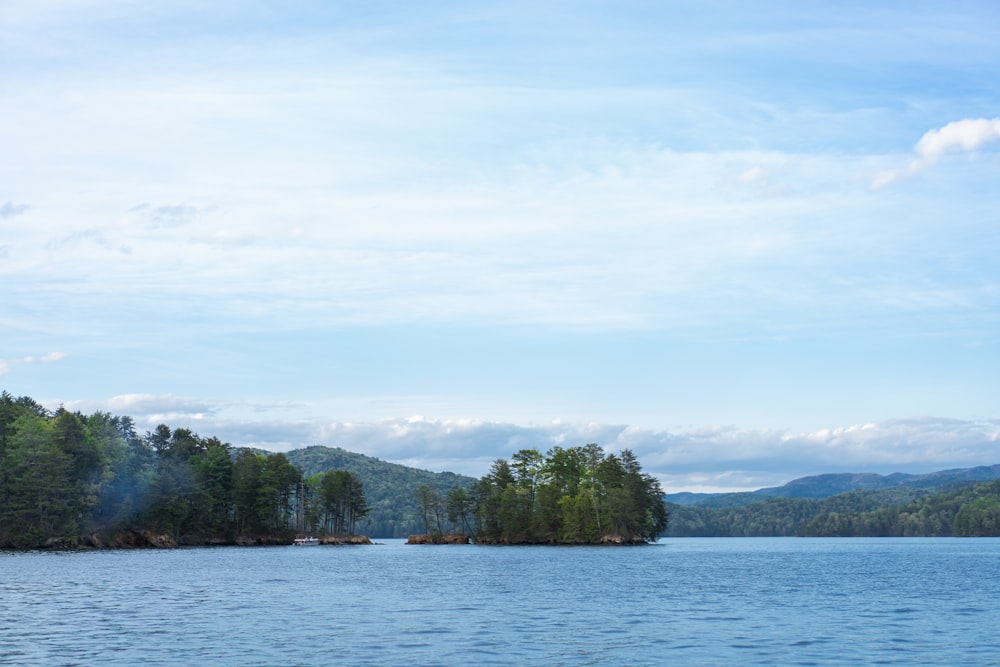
x: 390, y: 488
x: 816, y: 487
x: 892, y: 511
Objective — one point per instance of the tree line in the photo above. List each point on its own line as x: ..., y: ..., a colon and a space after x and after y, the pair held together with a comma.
x: 972, y: 511
x: 575, y: 495
x: 68, y: 478
x: 892, y: 512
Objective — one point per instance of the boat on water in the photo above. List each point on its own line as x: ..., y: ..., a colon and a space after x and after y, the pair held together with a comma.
x: 303, y: 541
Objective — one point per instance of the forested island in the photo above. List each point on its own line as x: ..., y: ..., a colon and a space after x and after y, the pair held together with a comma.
x: 577, y: 495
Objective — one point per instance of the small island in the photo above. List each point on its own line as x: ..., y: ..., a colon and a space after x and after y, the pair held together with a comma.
x: 571, y: 496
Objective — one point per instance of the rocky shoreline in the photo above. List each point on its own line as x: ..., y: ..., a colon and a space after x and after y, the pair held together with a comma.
x: 444, y: 538
x: 463, y: 538
x: 146, y: 539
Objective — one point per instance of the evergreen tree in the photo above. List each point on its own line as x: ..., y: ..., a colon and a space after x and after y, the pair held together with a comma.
x: 578, y: 495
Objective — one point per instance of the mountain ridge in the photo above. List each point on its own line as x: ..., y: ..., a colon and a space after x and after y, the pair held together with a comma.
x: 817, y: 487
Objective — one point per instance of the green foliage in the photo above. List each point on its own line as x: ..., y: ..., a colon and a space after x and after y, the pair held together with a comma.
x: 578, y: 495
x: 390, y: 489
x: 430, y: 508
x: 341, y: 501
x: 768, y: 518
x: 67, y: 478
x: 265, y: 490
x: 970, y: 511
x: 817, y: 487
x: 899, y: 511
x: 38, y: 489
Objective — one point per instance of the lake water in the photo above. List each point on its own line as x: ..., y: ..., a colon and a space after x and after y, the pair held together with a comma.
x: 783, y: 601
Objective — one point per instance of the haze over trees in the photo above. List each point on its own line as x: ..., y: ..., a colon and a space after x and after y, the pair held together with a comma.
x: 68, y: 478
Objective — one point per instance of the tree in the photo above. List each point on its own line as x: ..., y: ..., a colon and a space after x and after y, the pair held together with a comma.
x: 247, y: 470
x: 159, y: 439
x: 460, y: 509
x: 429, y: 501
x: 342, y: 500
x: 39, y: 492
x: 214, y: 473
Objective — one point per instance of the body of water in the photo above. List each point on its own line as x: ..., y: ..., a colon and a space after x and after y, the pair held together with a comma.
x: 782, y: 601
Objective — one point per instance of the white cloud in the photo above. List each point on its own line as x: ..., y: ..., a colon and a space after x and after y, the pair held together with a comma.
x: 685, y: 459
x: 963, y: 135
x: 958, y: 136
x: 150, y: 410
x: 7, y: 364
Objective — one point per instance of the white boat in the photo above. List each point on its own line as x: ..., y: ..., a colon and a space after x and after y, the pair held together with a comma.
x: 303, y: 541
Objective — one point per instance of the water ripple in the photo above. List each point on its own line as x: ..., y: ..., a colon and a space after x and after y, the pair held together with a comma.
x: 688, y: 602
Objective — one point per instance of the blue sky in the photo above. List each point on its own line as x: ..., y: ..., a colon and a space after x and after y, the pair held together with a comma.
x: 751, y: 241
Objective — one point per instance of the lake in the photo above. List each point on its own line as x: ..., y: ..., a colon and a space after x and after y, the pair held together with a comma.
x: 781, y: 601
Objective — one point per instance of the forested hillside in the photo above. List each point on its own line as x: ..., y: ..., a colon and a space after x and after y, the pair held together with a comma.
x: 391, y: 490
x: 831, y: 484
x: 971, y: 510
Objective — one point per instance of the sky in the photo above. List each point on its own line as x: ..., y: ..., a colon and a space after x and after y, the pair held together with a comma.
x: 749, y: 241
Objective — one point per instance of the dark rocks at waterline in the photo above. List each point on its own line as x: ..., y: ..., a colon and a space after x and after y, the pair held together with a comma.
x: 610, y: 539
x: 434, y: 538
x: 146, y: 539
x: 344, y: 540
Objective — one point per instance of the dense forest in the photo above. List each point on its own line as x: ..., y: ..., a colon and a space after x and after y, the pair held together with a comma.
x: 971, y: 510
x: 578, y: 495
x: 68, y: 478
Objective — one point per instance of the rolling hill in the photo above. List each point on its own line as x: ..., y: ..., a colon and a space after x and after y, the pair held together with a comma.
x: 390, y: 488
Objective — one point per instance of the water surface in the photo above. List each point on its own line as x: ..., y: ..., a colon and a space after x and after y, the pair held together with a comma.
x: 689, y: 601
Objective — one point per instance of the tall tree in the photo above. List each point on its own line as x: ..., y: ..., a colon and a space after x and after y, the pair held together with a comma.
x: 39, y: 501
x: 214, y: 471
x: 460, y: 509
x: 429, y: 501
